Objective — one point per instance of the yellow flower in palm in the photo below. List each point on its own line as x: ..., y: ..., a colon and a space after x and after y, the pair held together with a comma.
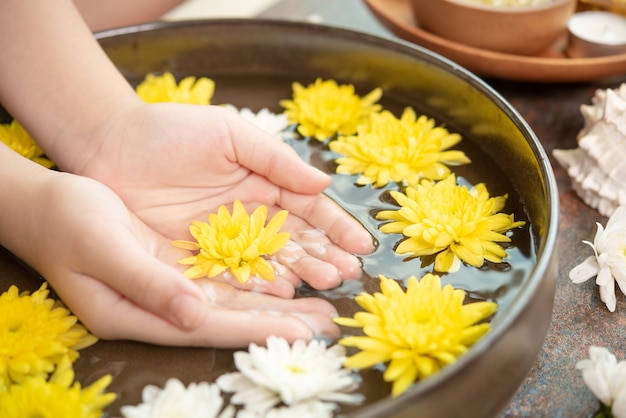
x: 403, y: 150
x: 56, y: 397
x: 451, y: 221
x: 15, y: 137
x: 417, y: 332
x: 236, y: 242
x: 36, y: 333
x: 325, y: 109
x: 163, y: 88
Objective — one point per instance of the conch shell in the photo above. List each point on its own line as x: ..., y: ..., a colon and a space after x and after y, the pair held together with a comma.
x: 597, y: 167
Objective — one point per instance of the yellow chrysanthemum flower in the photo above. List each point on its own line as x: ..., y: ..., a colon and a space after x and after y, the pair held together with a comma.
x: 36, y: 333
x: 15, y: 137
x: 236, y: 242
x: 163, y: 88
x: 403, y: 150
x: 324, y: 109
x: 451, y: 221
x: 417, y: 332
x: 57, y: 397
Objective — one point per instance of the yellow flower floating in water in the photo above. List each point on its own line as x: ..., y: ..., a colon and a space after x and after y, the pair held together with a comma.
x: 417, y: 332
x: 57, y: 397
x: 15, y: 137
x: 451, y: 221
x: 403, y: 150
x: 325, y: 109
x: 36, y: 333
x: 163, y: 88
x: 236, y: 242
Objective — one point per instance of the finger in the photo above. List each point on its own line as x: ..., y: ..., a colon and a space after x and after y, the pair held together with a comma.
x: 315, y: 271
x: 244, y: 318
x: 225, y: 328
x: 228, y: 297
x: 317, y: 245
x: 152, y: 283
x: 260, y: 152
x: 114, y: 251
x: 323, y: 213
x: 283, y: 285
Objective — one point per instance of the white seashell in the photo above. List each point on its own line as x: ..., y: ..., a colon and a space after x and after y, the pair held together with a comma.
x: 597, y: 168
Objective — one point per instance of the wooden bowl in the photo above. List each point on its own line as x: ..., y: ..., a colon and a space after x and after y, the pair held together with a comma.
x: 518, y: 30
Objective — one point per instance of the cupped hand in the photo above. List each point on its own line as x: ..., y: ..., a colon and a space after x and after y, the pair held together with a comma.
x: 172, y: 164
x: 120, y: 278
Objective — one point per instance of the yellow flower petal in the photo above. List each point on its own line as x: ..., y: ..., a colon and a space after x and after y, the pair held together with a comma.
x: 186, y: 245
x: 37, y: 333
x: 451, y: 221
x: 56, y: 397
x: 163, y: 88
x: 237, y: 242
x: 324, y: 109
x: 419, y: 330
x: 365, y: 359
x: 403, y: 150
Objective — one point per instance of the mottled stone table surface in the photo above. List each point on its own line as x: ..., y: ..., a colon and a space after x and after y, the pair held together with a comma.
x: 554, y: 387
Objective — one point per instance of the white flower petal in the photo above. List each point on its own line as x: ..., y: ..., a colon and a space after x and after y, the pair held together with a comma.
x: 310, y: 409
x: 618, y: 409
x: 198, y: 400
x: 599, y: 240
x: 597, y: 372
x: 232, y: 382
x: 619, y: 270
x: 258, y: 399
x: 294, y: 375
x: 605, y: 277
x: 270, y: 122
x: 228, y: 412
x: 617, y: 221
x: 607, y: 295
x: 622, y: 285
x: 585, y: 270
x: 609, y: 261
x: 617, y: 381
x: 347, y: 398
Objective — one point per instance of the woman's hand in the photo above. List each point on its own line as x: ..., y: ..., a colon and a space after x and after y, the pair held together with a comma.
x: 120, y: 278
x: 172, y: 164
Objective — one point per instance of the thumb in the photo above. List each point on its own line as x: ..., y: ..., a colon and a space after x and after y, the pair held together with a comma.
x: 260, y: 152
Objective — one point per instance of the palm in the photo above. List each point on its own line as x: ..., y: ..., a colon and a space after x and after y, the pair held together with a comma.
x: 130, y: 289
x: 172, y: 164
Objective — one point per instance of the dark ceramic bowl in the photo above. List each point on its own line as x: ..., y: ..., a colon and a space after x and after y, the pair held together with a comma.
x: 254, y: 63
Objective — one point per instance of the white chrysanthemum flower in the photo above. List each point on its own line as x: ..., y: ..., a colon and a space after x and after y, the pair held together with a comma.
x: 274, y: 123
x: 606, y: 378
x: 608, y: 264
x: 280, y: 374
x: 311, y: 409
x: 198, y: 400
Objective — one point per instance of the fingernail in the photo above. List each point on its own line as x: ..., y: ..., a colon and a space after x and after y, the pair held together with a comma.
x: 320, y: 329
x: 187, y: 312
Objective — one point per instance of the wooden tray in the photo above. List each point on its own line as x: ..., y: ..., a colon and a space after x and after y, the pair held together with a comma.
x: 551, y: 66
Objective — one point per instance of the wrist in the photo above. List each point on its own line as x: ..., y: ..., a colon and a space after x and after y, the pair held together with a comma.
x: 19, y: 216
x: 57, y: 81
x: 80, y: 139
